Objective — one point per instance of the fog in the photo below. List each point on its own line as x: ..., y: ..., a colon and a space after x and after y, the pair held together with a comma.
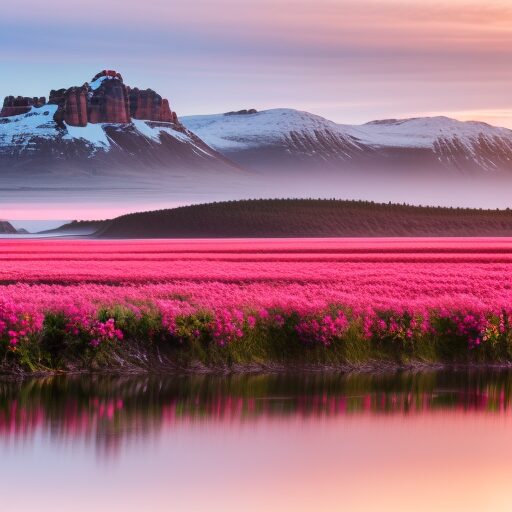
x: 36, y: 204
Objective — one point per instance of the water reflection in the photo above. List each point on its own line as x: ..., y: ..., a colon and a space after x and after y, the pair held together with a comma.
x: 109, y: 410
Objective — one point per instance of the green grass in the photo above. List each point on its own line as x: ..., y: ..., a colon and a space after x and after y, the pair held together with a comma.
x: 148, y: 345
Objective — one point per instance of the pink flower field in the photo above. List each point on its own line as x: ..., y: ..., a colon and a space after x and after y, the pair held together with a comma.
x: 305, y: 274
x: 389, y: 287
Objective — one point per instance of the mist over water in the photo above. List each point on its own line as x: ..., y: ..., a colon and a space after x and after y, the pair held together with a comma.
x: 101, y: 198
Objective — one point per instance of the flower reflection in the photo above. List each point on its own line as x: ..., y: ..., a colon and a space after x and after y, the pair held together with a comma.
x: 108, y: 411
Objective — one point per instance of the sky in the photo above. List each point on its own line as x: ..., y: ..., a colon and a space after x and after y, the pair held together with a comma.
x: 351, y: 61
x: 348, y: 60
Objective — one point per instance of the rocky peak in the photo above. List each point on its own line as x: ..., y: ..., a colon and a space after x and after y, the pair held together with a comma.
x: 14, y: 106
x: 105, y: 100
x: 245, y: 112
x: 149, y: 105
x: 108, y: 102
x: 72, y: 105
x: 107, y: 74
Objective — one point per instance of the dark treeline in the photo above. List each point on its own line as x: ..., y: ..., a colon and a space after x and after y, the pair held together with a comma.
x: 307, y: 218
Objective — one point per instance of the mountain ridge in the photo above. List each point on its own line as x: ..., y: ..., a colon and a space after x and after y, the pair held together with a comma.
x: 115, y: 143
x: 94, y: 129
x: 297, y: 135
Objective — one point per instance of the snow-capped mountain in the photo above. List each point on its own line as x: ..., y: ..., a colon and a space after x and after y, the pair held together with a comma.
x: 284, y: 137
x: 104, y: 142
x: 34, y: 142
x: 99, y: 129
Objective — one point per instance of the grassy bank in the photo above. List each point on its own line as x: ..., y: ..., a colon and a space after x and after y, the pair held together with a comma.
x: 121, y: 339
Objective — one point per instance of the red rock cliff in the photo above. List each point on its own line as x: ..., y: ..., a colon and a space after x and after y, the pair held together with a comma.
x: 72, y: 105
x: 14, y: 106
x: 105, y: 100
x: 150, y: 106
x: 109, y: 102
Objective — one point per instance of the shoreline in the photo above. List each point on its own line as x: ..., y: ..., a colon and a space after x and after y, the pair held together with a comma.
x: 200, y: 369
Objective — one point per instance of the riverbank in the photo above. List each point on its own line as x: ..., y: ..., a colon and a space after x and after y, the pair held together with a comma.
x: 252, y: 306
x: 268, y: 340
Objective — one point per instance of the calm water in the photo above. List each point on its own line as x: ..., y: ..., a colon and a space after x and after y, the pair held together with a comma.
x: 423, y: 442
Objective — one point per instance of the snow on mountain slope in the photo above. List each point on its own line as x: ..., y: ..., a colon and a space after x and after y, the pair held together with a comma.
x: 422, y: 132
x: 303, y: 136
x: 20, y: 132
x: 104, y: 129
x: 225, y: 131
x: 466, y: 145
x: 94, y: 134
x: 35, y: 143
x: 278, y: 138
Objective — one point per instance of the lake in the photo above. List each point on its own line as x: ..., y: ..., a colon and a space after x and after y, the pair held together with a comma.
x: 308, y: 442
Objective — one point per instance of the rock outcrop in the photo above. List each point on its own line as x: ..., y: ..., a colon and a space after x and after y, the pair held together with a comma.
x: 244, y: 112
x: 105, y: 100
x: 109, y: 102
x: 148, y: 105
x: 72, y: 105
x: 14, y: 106
x: 107, y: 73
x: 167, y: 115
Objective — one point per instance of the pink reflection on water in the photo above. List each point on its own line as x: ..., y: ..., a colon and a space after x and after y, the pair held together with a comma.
x: 327, y: 443
x: 434, y: 460
x: 110, y: 423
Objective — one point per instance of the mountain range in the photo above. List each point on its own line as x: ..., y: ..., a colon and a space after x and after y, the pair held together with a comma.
x: 105, y: 137
x: 99, y: 127
x: 290, y: 138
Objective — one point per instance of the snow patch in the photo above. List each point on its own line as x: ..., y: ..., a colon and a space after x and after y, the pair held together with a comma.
x: 271, y: 127
x: 153, y: 132
x: 225, y: 132
x: 146, y: 130
x: 423, y: 132
x: 18, y: 130
x: 94, y: 134
x: 96, y: 84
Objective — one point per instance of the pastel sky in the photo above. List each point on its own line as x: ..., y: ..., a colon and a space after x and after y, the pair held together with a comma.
x: 348, y: 60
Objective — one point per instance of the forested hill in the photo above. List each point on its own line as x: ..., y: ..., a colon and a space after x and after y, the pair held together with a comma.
x: 307, y: 218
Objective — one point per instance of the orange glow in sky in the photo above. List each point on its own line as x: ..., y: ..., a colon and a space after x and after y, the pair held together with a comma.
x: 348, y: 60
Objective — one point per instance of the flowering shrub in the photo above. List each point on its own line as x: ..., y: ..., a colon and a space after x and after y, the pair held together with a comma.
x: 324, y: 330
x: 81, y: 324
x: 227, y: 327
x: 495, y: 329
x: 471, y: 327
x: 17, y: 324
x: 186, y: 328
x: 403, y: 327
x: 101, y: 332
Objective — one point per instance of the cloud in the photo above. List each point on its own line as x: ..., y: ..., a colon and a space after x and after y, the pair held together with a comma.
x: 208, y: 53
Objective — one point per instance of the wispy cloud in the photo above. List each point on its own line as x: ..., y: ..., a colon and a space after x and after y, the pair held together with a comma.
x: 363, y: 58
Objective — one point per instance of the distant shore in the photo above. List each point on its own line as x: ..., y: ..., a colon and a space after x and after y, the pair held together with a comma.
x: 290, y: 218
